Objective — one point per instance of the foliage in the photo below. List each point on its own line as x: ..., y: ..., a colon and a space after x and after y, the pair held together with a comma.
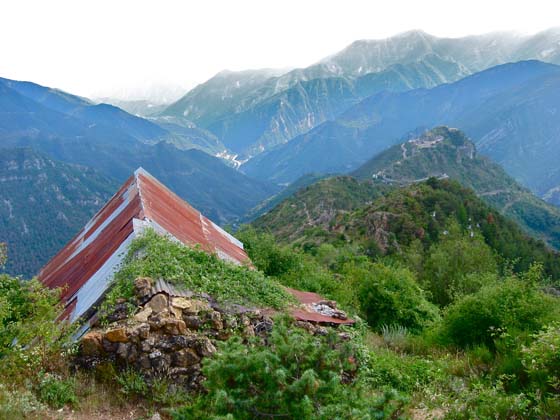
x: 455, y: 265
x: 486, y: 402
x: 390, y: 295
x: 3, y: 254
x: 132, y: 383
x: 542, y: 359
x: 505, y: 307
x: 56, y: 392
x: 295, y: 376
x: 158, y: 257
x: 27, y: 321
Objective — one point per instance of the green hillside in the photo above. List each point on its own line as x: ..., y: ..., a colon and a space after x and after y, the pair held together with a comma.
x: 447, y: 153
x: 44, y: 203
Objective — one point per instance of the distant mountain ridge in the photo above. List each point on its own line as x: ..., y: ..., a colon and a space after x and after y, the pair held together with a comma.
x: 73, y: 130
x: 215, y: 104
x: 508, y: 110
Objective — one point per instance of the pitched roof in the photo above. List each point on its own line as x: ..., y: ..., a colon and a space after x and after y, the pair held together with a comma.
x: 84, y: 267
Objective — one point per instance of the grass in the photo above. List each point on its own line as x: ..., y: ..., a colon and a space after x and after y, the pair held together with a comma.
x: 159, y: 257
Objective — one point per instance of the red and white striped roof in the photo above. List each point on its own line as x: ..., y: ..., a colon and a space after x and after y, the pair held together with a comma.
x: 85, y: 266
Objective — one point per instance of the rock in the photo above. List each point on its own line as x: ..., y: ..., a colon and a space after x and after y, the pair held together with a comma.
x: 184, y: 358
x: 143, y: 315
x: 122, y: 350
x: 144, y: 362
x: 181, y: 303
x: 147, y: 345
x: 157, y: 320
x: 174, y: 326
x: 204, y: 347
x: 156, y: 416
x: 176, y: 312
x: 192, y: 322
x: 142, y: 287
x: 321, y: 330
x: 158, y: 360
x: 117, y: 335
x: 142, y: 331
x: 119, y: 312
x: 92, y: 343
x: 158, y: 303
x: 109, y: 346
x: 132, y: 355
x: 216, y: 320
x: 196, y: 307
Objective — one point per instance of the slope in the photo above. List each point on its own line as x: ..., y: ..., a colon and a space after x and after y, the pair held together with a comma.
x: 447, y: 153
x: 43, y: 203
x: 508, y: 110
x: 115, y: 143
x: 384, y: 220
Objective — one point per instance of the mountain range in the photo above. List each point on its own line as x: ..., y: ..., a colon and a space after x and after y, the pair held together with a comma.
x: 74, y: 130
x: 282, y: 105
x: 229, y: 144
x: 508, y: 110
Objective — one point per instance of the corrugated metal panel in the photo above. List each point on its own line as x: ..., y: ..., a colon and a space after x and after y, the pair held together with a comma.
x: 306, y: 313
x: 161, y: 286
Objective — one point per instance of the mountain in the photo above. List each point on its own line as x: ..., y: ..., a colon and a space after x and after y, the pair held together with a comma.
x: 30, y: 112
x: 472, y: 53
x: 72, y: 130
x: 508, y: 110
x: 306, y: 104
x: 447, y: 153
x: 384, y: 220
x: 254, y: 110
x: 43, y: 203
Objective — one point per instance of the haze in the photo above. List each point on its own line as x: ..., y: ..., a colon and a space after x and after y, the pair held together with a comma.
x: 133, y: 49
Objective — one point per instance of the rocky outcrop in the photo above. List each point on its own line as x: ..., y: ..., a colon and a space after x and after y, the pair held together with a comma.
x: 169, y: 335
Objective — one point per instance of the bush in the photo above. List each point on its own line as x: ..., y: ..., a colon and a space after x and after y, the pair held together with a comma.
x: 30, y: 339
x: 457, y: 266
x: 390, y: 295
x: 510, y: 306
x: 56, y: 392
x: 541, y: 359
x: 295, y: 376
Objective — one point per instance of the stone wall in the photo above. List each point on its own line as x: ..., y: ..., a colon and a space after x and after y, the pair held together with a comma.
x: 168, y: 336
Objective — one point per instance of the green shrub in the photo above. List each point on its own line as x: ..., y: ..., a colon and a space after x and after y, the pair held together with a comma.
x: 390, y: 295
x: 485, y: 402
x: 457, y: 266
x: 541, y: 359
x: 132, y: 383
x: 30, y: 339
x: 18, y: 403
x: 388, y: 370
x: 510, y: 306
x: 55, y: 391
x: 296, y: 375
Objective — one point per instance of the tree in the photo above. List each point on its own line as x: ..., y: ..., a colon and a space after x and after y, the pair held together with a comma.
x: 390, y: 295
x: 456, y: 266
x: 3, y: 254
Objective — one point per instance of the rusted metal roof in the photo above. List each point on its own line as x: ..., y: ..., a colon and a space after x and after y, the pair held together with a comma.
x: 84, y: 267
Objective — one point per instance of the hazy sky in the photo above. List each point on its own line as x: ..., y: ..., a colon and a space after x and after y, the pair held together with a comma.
x: 118, y: 47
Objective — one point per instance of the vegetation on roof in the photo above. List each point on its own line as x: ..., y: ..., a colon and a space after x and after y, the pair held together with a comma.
x: 158, y: 257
